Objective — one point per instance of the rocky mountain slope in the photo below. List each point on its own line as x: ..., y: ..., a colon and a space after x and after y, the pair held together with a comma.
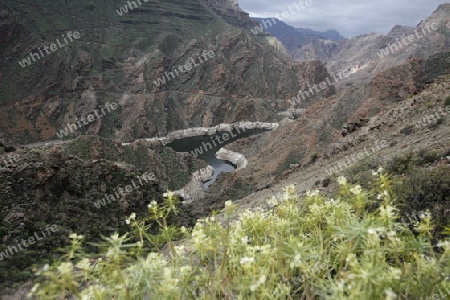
x: 331, y: 34
x: 241, y: 77
x: 369, y: 54
x: 295, y: 38
x: 93, y: 69
x: 318, y: 133
x: 133, y: 59
x: 399, y: 126
x: 87, y: 186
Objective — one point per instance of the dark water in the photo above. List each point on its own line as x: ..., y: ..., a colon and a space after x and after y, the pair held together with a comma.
x: 205, y: 148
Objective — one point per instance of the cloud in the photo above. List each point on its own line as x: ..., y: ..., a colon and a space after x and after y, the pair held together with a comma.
x: 349, y: 17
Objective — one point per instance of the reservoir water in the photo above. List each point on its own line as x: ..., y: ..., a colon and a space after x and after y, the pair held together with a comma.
x: 205, y: 148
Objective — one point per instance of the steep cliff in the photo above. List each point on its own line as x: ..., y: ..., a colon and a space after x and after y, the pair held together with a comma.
x: 137, y: 56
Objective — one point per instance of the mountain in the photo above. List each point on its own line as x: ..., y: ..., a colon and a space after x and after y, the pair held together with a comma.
x: 314, y: 140
x: 366, y: 55
x: 293, y: 38
x: 78, y: 79
x: 317, y: 49
x: 332, y: 34
x: 83, y: 123
x: 124, y: 56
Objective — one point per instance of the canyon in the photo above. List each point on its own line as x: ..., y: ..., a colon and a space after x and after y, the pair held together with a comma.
x: 49, y: 178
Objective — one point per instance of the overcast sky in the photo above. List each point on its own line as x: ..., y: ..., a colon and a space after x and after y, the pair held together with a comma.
x: 349, y: 17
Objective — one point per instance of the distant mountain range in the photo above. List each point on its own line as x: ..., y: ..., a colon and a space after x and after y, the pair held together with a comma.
x: 332, y: 34
x: 293, y: 38
x: 366, y: 55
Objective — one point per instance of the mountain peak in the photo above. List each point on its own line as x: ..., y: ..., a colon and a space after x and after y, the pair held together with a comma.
x: 400, y: 30
x: 230, y: 11
x: 293, y: 38
x: 443, y: 7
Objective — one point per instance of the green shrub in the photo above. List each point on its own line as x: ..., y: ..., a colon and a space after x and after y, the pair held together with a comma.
x: 447, y: 101
x: 361, y: 172
x: 408, y: 130
x: 314, y: 157
x: 405, y: 163
x: 291, y: 249
x: 426, y: 189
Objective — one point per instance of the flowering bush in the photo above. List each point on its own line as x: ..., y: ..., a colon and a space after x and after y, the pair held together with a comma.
x: 299, y: 248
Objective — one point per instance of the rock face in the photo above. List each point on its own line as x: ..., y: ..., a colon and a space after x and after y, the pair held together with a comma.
x: 316, y: 49
x: 367, y: 55
x: 195, y: 190
x: 204, y: 174
x: 230, y: 11
x: 246, y: 78
x: 353, y: 126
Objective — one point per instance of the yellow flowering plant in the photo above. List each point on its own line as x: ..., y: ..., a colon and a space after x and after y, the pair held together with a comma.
x: 310, y: 247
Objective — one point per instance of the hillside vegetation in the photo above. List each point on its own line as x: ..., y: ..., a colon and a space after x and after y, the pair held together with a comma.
x: 351, y: 246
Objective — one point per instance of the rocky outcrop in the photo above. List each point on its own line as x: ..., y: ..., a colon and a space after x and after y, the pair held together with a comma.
x: 235, y: 158
x: 6, y: 146
x: 316, y: 49
x: 204, y: 174
x: 230, y: 11
x: 195, y: 189
x: 292, y: 113
x: 353, y: 126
